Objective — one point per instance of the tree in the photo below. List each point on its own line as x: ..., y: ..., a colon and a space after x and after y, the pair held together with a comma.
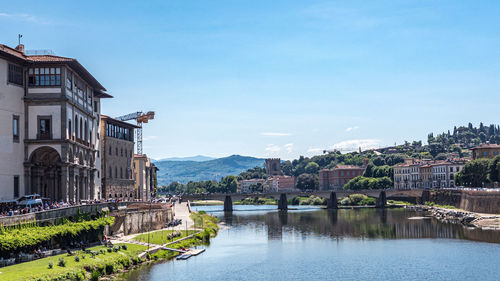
x: 312, y: 168
x: 307, y: 182
x: 228, y: 184
x: 494, y: 169
x: 474, y: 173
x: 368, y: 171
x: 378, y: 161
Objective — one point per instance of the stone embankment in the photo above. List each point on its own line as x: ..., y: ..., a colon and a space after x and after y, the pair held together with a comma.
x: 457, y: 216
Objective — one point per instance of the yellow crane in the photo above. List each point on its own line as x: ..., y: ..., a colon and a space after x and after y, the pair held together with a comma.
x: 141, y: 118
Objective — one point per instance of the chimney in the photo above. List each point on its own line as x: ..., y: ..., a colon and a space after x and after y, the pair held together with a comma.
x: 20, y: 48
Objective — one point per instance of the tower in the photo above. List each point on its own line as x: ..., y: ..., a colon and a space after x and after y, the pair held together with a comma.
x: 273, y: 167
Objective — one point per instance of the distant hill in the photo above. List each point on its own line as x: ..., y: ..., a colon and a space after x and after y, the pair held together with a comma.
x: 197, y: 158
x: 184, y: 171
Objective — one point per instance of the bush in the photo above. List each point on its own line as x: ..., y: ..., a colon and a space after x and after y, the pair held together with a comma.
x: 109, y: 268
x: 124, y: 247
x: 110, y: 250
x: 51, y: 265
x: 116, y: 248
x: 61, y: 263
x: 94, y: 276
x: 77, y: 258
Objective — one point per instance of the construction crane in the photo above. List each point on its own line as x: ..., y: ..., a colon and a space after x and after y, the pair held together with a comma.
x: 141, y: 118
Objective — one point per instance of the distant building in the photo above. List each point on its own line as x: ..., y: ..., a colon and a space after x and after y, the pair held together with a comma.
x: 485, y: 151
x: 273, y: 167
x: 427, y: 174
x: 339, y: 176
x: 281, y: 183
x: 145, y: 176
x: 248, y: 186
x: 117, y: 153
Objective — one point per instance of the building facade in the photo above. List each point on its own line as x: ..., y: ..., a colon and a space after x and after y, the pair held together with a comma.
x: 273, y: 166
x: 427, y: 174
x: 49, y: 127
x: 485, y: 151
x: 117, y: 141
x: 339, y: 176
x: 145, y: 177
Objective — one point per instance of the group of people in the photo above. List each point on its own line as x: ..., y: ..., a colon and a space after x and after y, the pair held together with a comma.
x: 12, y: 209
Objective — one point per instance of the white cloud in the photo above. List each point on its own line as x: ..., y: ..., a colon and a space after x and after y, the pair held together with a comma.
x: 314, y: 150
x: 23, y: 17
x: 288, y: 147
x: 351, y: 128
x: 352, y: 145
x: 273, y: 148
x: 150, y: 138
x: 275, y: 134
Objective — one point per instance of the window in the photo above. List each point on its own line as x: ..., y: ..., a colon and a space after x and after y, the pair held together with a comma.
x: 110, y: 172
x: 16, y: 186
x: 44, y: 128
x: 15, y: 75
x: 70, y: 132
x: 121, y: 152
x: 116, y: 151
x: 15, y: 128
x: 116, y: 172
x: 121, y: 172
x: 44, y: 76
x: 95, y: 106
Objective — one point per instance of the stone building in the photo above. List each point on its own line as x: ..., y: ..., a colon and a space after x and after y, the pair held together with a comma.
x: 485, y: 151
x: 117, y: 154
x: 145, y: 176
x: 427, y: 174
x: 49, y: 120
x: 273, y: 167
x: 339, y: 176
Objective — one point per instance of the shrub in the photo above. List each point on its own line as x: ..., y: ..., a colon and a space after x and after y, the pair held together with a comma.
x: 116, y: 248
x: 51, y: 265
x: 94, y: 276
x: 61, y: 263
x: 109, y: 268
x: 77, y: 258
x: 124, y: 247
x: 110, y: 250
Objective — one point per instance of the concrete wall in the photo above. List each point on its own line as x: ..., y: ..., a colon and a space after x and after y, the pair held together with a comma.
x: 481, y: 202
x: 11, y: 153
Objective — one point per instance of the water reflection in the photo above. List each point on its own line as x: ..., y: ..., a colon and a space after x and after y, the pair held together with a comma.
x: 356, y: 223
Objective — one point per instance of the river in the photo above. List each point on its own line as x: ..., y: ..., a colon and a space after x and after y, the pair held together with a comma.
x: 261, y: 243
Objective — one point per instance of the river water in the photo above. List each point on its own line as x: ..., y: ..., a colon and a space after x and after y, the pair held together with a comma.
x: 262, y: 243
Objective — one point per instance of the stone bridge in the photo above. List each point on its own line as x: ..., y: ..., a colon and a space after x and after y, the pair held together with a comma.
x: 418, y: 195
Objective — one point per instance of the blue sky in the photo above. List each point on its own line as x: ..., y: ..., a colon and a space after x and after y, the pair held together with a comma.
x: 278, y: 78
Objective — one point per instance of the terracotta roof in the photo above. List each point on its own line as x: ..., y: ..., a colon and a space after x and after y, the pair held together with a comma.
x: 487, y: 145
x: 349, y: 167
x: 73, y: 63
x: 49, y: 58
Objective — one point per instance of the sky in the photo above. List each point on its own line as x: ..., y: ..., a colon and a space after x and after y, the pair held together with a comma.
x: 277, y: 78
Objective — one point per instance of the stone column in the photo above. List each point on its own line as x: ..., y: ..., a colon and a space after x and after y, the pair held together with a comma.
x: 283, y: 203
x: 381, y: 200
x: 27, y: 180
x: 64, y: 183
x: 228, y: 204
x: 332, y: 202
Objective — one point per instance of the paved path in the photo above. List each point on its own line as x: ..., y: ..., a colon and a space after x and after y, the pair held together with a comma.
x: 182, y: 212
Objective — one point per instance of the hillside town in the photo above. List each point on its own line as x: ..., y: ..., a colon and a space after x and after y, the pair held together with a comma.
x: 56, y: 145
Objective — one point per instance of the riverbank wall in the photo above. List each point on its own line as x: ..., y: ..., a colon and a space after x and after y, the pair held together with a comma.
x: 470, y: 200
x: 140, y: 218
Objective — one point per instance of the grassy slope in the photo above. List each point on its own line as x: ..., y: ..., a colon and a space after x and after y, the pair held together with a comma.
x: 39, y: 268
x: 160, y: 237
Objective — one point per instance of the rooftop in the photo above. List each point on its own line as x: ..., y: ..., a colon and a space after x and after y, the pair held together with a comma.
x: 487, y: 145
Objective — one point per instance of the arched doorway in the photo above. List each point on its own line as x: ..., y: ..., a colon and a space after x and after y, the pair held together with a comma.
x: 45, y: 173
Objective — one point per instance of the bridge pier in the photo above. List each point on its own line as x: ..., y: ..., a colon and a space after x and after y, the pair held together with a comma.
x: 332, y: 202
x: 426, y: 196
x: 228, y: 204
x: 381, y: 200
x: 282, y: 203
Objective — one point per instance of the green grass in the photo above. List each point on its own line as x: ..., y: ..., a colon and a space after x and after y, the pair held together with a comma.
x: 39, y: 269
x: 432, y: 204
x: 160, y: 237
x: 396, y: 202
x: 256, y: 201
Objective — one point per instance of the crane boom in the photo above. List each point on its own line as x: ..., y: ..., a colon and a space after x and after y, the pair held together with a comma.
x: 140, y: 117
